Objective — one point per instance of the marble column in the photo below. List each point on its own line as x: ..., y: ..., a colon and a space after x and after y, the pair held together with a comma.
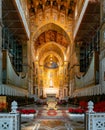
x: 0, y: 41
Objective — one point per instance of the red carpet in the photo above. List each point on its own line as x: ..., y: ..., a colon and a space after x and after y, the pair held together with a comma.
x: 52, y: 113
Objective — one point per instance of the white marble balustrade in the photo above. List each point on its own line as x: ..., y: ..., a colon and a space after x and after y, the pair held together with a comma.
x: 94, y: 121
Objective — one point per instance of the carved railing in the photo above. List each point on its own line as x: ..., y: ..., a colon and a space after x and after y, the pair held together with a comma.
x: 10, y: 121
x: 94, y: 121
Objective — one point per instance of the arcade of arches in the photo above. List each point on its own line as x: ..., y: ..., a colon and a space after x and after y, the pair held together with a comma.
x: 52, y: 56
x: 51, y: 60
x: 52, y: 47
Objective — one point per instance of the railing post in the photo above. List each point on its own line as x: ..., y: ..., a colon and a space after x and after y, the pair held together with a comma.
x: 12, y: 120
x: 90, y: 106
x: 14, y: 107
x: 87, y: 115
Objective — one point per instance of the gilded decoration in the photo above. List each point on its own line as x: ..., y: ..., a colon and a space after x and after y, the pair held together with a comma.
x: 52, y: 105
x: 49, y: 36
x: 47, y: 54
x: 50, y: 26
x: 64, y: 6
x: 51, y: 22
x: 51, y: 102
x: 57, y: 12
x: 50, y: 48
x: 51, y: 62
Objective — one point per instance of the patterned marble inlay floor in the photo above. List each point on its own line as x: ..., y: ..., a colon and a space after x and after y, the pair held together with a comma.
x: 53, y: 120
x: 45, y: 125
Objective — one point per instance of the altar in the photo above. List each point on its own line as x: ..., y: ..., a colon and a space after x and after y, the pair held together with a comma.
x: 51, y: 92
x: 51, y: 102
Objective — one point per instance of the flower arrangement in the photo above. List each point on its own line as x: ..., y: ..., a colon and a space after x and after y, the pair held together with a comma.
x: 27, y: 111
x: 83, y: 104
x: 3, y: 107
x: 81, y: 109
x: 76, y: 110
x: 99, y: 107
x: 27, y: 114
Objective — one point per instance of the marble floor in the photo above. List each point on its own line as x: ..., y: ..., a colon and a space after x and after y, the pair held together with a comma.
x: 52, y: 120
